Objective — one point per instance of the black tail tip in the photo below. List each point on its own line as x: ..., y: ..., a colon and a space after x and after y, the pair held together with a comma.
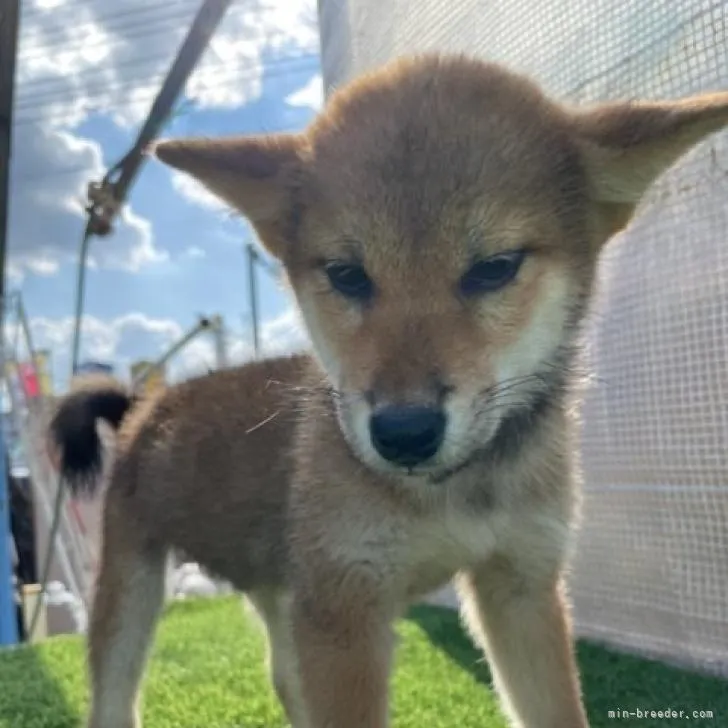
x: 77, y: 456
x: 74, y: 443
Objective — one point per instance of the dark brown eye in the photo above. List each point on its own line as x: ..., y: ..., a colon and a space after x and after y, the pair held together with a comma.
x: 350, y: 280
x: 491, y: 273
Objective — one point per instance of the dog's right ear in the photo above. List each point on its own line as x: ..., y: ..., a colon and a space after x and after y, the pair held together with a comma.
x: 255, y: 175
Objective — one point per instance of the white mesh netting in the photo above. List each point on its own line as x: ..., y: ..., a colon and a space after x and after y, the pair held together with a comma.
x: 651, y: 572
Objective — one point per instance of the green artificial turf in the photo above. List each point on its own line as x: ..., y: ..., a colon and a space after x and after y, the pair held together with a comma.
x: 207, y: 672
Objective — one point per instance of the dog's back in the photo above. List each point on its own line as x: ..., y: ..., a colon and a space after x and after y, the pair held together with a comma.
x: 201, y: 464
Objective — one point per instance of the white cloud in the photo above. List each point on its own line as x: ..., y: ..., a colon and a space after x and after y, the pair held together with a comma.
x: 312, y: 94
x: 76, y: 57
x: 284, y: 334
x: 194, y: 252
x: 122, y: 340
x: 118, y: 340
x: 196, y: 193
x: 48, y: 187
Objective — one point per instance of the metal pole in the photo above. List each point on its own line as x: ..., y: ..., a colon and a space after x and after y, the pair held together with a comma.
x: 198, y: 37
x: 24, y: 325
x: 203, y: 325
x: 12, y: 352
x: 107, y: 197
x: 80, y: 294
x: 9, y: 21
x: 218, y: 332
x: 8, y: 618
x: 253, y: 297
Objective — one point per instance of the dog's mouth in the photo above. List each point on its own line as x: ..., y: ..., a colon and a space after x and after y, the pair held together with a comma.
x: 418, y: 451
x: 441, y: 477
x: 491, y: 441
x: 435, y: 472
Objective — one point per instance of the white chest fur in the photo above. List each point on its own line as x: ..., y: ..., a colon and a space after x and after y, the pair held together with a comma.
x: 447, y: 542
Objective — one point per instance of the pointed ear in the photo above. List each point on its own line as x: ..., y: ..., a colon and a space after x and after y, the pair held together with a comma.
x: 255, y: 175
x: 626, y: 146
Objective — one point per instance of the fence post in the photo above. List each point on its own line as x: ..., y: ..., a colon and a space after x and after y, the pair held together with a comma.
x: 8, y: 616
x: 9, y: 19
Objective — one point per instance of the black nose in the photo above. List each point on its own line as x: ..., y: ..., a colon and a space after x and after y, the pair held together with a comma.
x: 407, y: 435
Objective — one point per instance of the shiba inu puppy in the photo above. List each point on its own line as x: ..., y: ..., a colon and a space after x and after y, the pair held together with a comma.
x: 440, y: 224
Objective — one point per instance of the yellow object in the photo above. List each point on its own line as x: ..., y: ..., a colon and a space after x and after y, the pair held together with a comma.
x: 31, y: 593
x: 43, y: 370
x: 155, y: 379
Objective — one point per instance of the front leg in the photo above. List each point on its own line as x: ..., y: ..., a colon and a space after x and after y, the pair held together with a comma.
x: 343, y: 652
x: 523, y: 625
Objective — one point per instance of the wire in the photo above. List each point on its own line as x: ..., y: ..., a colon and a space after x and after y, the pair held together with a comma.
x: 81, y: 76
x: 146, y: 28
x: 220, y: 84
x: 103, y: 18
x: 39, y: 50
x: 56, y: 76
x: 48, y: 560
x: 155, y: 25
x: 54, y: 95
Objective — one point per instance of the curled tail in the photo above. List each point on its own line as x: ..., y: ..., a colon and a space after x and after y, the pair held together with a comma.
x: 74, y: 441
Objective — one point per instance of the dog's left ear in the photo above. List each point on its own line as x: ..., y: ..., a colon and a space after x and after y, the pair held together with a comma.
x: 626, y: 146
x: 255, y: 175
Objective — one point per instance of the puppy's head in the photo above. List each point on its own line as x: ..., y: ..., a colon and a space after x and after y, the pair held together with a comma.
x: 440, y: 224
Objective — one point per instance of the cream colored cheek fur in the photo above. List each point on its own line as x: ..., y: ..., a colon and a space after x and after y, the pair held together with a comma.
x: 469, y: 422
x: 324, y: 353
x: 540, y: 339
x: 354, y: 422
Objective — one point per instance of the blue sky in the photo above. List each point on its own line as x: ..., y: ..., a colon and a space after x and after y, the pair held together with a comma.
x: 176, y: 253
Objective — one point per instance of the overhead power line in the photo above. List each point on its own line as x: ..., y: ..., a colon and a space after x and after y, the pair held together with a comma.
x: 24, y: 117
x: 67, y: 12
x: 58, y: 38
x: 33, y: 101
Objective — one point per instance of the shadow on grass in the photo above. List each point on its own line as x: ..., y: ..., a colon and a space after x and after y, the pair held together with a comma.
x: 611, y: 681
x: 30, y: 693
x: 443, y: 629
